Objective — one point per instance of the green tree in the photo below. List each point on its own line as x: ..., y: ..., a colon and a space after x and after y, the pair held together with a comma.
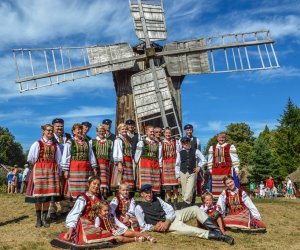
x: 11, y: 151
x: 287, y: 140
x: 262, y: 158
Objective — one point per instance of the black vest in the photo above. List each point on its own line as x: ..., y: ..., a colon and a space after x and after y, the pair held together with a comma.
x: 133, y: 141
x: 194, y: 143
x: 188, y: 160
x: 111, y: 137
x: 153, y: 211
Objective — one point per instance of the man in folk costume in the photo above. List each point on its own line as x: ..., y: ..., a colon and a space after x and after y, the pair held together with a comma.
x: 132, y: 136
x: 102, y: 148
x: 86, y: 126
x: 78, y: 163
x: 167, y: 163
x: 189, y: 162
x: 60, y: 137
x: 153, y: 214
x: 107, y: 125
x: 147, y: 155
x: 222, y: 161
x: 122, y: 171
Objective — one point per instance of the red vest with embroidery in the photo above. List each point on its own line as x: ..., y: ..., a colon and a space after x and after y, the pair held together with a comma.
x: 108, y: 224
x: 88, y: 211
x: 225, y: 157
x: 123, y: 206
x: 235, y: 202
x: 47, y: 152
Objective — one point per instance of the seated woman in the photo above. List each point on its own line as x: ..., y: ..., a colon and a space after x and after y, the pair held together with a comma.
x: 242, y: 213
x: 122, y: 206
x: 80, y: 221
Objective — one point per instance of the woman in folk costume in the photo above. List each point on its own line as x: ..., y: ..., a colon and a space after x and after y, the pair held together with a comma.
x: 80, y: 221
x: 242, y: 213
x: 222, y: 161
x: 102, y: 148
x: 122, y: 155
x: 78, y: 163
x: 122, y: 206
x: 167, y: 162
x: 43, y: 185
x: 147, y: 155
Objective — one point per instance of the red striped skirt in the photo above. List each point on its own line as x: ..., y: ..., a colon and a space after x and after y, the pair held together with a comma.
x: 104, y: 172
x: 126, y: 176
x: 149, y: 173
x: 79, y: 172
x: 44, y: 180
x: 168, y: 177
x: 217, y: 179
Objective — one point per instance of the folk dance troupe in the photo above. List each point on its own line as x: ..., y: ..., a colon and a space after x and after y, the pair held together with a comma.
x: 76, y: 175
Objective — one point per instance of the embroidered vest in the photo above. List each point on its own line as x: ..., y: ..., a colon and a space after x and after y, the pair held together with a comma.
x: 133, y: 141
x: 102, y: 149
x: 127, y: 148
x: 79, y: 152
x: 150, y: 150
x: 188, y: 160
x: 89, y: 211
x: 108, y: 223
x: 123, y: 206
x: 169, y: 149
x: 47, y: 152
x: 153, y: 211
x: 221, y: 156
x: 235, y: 202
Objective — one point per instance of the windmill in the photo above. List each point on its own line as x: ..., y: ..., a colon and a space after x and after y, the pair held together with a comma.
x: 147, y: 77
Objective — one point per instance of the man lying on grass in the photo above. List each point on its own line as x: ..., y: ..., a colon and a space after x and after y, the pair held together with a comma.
x: 153, y: 214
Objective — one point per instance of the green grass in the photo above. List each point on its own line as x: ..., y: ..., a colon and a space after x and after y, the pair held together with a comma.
x: 282, y: 218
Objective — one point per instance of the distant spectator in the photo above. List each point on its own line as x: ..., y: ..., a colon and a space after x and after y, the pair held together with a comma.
x: 14, y: 182
x: 270, y: 185
x: 252, y: 186
x: 20, y: 177
x: 289, y: 188
x: 262, y: 190
x: 275, y: 192
x: 25, y: 178
x: 10, y: 176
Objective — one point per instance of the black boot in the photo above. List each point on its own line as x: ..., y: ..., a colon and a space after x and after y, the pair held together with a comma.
x: 210, y: 224
x: 44, y: 219
x: 217, y: 235
x: 38, y: 218
x: 175, y: 204
x: 194, y: 199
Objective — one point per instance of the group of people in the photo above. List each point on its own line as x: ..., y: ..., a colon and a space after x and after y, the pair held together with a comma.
x: 17, y: 179
x: 151, y: 164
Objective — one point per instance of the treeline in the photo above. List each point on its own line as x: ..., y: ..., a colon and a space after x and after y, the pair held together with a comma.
x: 275, y: 152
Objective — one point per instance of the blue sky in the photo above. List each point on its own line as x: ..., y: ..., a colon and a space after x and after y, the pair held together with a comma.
x: 210, y: 102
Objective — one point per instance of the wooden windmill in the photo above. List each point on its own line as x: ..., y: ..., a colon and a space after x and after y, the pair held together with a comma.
x: 147, y: 77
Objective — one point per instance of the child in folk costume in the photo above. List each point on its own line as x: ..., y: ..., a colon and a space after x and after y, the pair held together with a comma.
x: 242, y: 213
x: 80, y: 221
x: 213, y: 211
x: 43, y: 185
x: 107, y: 223
x: 122, y: 206
x: 147, y: 157
x: 102, y: 148
x: 122, y: 155
x: 78, y: 162
x: 167, y: 163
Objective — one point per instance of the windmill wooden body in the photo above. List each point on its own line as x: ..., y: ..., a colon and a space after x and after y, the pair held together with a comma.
x: 147, y: 77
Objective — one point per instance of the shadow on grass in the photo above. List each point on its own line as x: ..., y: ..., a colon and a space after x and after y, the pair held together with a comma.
x: 14, y: 220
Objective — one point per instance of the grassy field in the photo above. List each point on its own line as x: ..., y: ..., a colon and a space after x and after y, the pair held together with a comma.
x: 282, y: 218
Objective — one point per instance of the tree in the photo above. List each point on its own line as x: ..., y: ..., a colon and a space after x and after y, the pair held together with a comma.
x: 262, y: 158
x: 11, y: 152
x: 287, y: 139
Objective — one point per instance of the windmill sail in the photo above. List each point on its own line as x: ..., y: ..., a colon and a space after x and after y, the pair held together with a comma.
x: 153, y: 14
x: 226, y: 53
x: 147, y: 108
x: 37, y: 68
